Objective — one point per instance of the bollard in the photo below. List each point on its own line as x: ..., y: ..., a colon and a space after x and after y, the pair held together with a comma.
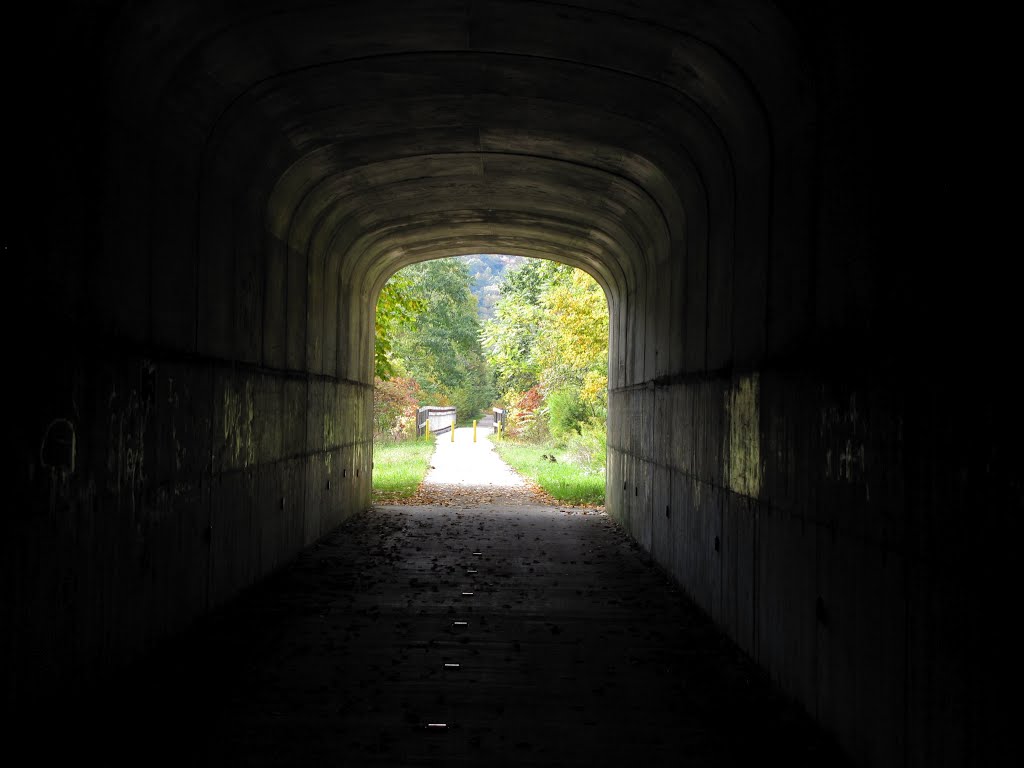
x: 426, y: 431
x: 453, y: 429
x: 474, y: 430
x: 498, y: 430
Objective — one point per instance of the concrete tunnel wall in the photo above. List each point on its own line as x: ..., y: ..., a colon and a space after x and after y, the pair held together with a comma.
x: 210, y: 198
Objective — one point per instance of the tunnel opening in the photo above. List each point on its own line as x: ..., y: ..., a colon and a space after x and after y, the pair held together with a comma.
x: 519, y: 345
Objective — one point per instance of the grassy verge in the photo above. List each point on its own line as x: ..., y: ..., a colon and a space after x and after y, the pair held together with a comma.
x: 399, y: 468
x: 564, y: 480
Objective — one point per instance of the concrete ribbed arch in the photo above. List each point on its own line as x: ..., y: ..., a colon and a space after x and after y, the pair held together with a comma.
x: 333, y: 193
x: 286, y: 159
x: 614, y: 274
x: 350, y: 232
x: 572, y: 217
x: 317, y: 159
x: 701, y: 131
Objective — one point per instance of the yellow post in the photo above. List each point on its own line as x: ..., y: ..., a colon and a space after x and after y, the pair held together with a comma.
x: 498, y: 430
x: 426, y: 431
x: 453, y: 429
x: 474, y: 430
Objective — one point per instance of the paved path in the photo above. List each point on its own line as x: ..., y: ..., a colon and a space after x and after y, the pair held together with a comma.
x: 575, y: 652
x: 464, y: 462
x: 486, y: 629
x: 464, y: 472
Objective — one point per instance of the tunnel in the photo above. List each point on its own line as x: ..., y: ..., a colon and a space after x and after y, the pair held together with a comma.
x: 812, y: 427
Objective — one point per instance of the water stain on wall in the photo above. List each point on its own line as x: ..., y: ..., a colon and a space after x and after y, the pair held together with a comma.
x: 238, y: 414
x: 129, y: 414
x: 843, y: 432
x: 330, y: 439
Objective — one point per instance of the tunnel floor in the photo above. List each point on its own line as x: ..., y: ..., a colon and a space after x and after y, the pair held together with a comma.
x: 576, y: 651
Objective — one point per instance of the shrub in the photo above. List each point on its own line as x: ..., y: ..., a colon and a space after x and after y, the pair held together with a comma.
x: 566, y: 413
x: 589, y: 448
x: 395, y: 403
x: 527, y: 416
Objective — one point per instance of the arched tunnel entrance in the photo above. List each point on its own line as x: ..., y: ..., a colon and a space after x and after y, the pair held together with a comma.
x: 206, y: 199
x: 484, y: 334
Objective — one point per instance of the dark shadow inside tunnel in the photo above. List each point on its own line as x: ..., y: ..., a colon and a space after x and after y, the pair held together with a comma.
x: 205, y: 201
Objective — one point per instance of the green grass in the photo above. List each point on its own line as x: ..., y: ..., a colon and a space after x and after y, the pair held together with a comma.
x: 564, y: 480
x: 399, y: 468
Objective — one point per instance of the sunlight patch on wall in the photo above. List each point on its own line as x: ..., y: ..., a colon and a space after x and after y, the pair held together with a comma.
x: 742, y: 407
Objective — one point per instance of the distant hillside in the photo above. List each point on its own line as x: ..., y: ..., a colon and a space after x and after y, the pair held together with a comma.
x: 487, y: 270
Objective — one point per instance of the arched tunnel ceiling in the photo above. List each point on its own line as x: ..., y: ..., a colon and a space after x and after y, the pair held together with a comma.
x: 367, y: 136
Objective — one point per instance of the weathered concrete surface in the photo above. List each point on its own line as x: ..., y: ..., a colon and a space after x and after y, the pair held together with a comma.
x: 169, y: 511
x: 809, y: 422
x: 576, y: 652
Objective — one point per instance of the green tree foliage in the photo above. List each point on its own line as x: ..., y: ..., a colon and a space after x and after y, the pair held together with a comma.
x: 567, y: 413
x: 397, y: 307
x: 509, y: 339
x: 442, y: 349
x: 550, y: 335
x: 572, y: 351
x: 546, y: 348
x: 529, y: 280
x: 511, y: 336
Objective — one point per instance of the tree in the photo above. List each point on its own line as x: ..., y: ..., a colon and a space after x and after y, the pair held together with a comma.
x: 397, y: 307
x: 572, y: 351
x: 549, y: 337
x: 442, y: 350
x: 510, y: 337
